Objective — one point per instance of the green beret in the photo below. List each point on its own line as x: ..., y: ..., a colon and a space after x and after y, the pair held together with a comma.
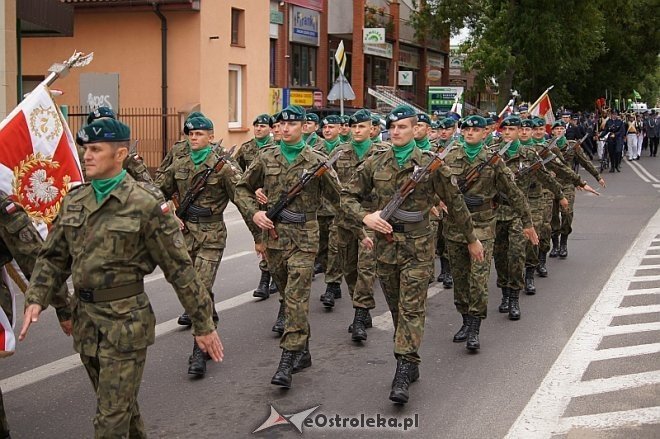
x: 99, y: 113
x: 360, y: 116
x: 446, y: 123
x: 423, y: 117
x: 399, y: 113
x: 195, y: 114
x: 273, y: 118
x: 558, y: 123
x: 474, y: 122
x: 511, y: 121
x: 263, y: 119
x: 103, y: 130
x: 312, y: 117
x: 198, y: 123
x: 527, y: 123
x: 292, y: 113
x: 490, y: 121
x: 538, y: 122
x: 331, y: 119
x: 435, y: 124
x: 345, y: 119
x: 375, y: 120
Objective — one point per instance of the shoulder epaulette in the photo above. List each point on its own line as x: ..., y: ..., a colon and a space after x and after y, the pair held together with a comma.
x: 151, y: 189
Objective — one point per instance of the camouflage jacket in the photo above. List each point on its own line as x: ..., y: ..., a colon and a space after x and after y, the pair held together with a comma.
x: 381, y: 176
x: 573, y: 153
x: 530, y: 184
x: 276, y: 176
x: 179, y: 149
x: 248, y: 152
x: 326, y: 207
x: 563, y: 173
x: 219, y: 191
x: 114, y: 243
x: 492, y: 181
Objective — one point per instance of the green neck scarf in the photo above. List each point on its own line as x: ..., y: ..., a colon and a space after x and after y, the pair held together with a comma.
x: 471, y: 151
x: 344, y: 138
x: 489, y: 138
x: 513, y: 149
x: 528, y: 142
x: 291, y: 152
x: 402, y: 153
x: 538, y: 141
x: 102, y: 188
x: 423, y: 144
x: 361, y: 148
x: 561, y: 143
x: 262, y: 142
x: 307, y: 140
x: 375, y: 138
x: 330, y: 145
x: 199, y: 156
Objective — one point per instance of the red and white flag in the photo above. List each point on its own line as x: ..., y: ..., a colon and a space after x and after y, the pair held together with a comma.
x: 38, y: 166
x: 544, y: 110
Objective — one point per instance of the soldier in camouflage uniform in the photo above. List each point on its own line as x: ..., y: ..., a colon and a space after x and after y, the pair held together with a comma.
x: 275, y: 128
x: 203, y: 228
x: 179, y: 149
x: 292, y: 243
x: 403, y: 264
x: 108, y: 235
x: 262, y: 126
x: 561, y: 228
x: 345, y: 130
x: 491, y: 139
x: 510, y: 247
x: 470, y: 276
x: 310, y: 129
x: 326, y: 217
x: 374, y: 133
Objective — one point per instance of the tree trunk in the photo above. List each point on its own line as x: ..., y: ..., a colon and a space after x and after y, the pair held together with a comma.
x: 505, y: 82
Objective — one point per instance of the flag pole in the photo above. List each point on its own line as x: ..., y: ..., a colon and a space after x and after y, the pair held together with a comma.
x: 60, y: 70
x: 538, y: 101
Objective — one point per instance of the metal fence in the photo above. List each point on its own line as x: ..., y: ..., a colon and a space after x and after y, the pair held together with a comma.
x: 146, y: 127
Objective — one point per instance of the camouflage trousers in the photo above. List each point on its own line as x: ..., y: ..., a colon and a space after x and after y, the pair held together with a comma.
x: 358, y: 267
x: 403, y: 268
x: 116, y: 383
x: 537, y: 209
x: 470, y: 278
x: 333, y: 267
x: 546, y: 229
x: 206, y: 260
x: 509, y: 252
x: 4, y: 426
x: 440, y: 245
x: 564, y: 225
x: 324, y: 235
x: 292, y: 271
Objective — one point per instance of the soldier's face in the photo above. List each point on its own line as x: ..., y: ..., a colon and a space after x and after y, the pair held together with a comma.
x: 345, y: 129
x: 402, y: 131
x: 361, y: 131
x: 261, y: 130
x: 310, y: 127
x: 558, y: 131
x: 421, y: 130
x: 277, y: 133
x: 446, y: 133
x: 538, y: 132
x: 292, y: 131
x: 330, y: 131
x: 566, y: 119
x: 525, y: 133
x: 434, y: 134
x: 474, y: 135
x: 104, y: 160
x: 199, y: 138
x: 509, y: 133
x: 374, y: 130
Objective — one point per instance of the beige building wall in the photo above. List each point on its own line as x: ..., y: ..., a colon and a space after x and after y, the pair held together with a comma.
x: 8, y: 62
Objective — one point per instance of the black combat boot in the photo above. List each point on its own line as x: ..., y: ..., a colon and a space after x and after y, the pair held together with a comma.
x: 216, y: 317
x: 197, y: 362
x: 555, y: 246
x: 448, y: 281
x: 504, y: 306
x: 462, y: 333
x: 184, y: 320
x: 264, y: 284
x: 530, y: 288
x: 359, y: 327
x: 514, y: 305
x: 5, y: 435
x: 303, y: 360
x: 318, y: 268
x: 328, y: 298
x: 563, y: 247
x: 273, y: 287
x: 282, y: 376
x: 541, y: 269
x: 279, y: 323
x: 367, y: 322
x: 406, y: 373
x: 473, y: 329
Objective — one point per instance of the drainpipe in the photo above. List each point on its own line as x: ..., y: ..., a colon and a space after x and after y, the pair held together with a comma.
x: 163, y: 74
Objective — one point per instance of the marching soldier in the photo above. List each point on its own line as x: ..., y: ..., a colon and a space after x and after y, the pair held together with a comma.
x: 422, y: 129
x: 375, y: 128
x: 403, y: 264
x: 108, y: 235
x: 309, y: 132
x: 292, y: 242
x: 491, y: 139
x: 275, y: 128
x: 179, y: 149
x: 262, y: 126
x: 490, y: 177
x: 345, y: 131
x: 203, y: 225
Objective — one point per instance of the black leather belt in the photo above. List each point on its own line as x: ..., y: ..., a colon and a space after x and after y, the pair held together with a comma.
x: 205, y: 219
x: 108, y: 294
x: 409, y: 227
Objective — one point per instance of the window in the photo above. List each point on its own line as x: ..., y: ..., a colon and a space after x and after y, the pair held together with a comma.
x: 303, y: 66
x: 235, y: 96
x: 273, y: 58
x: 237, y: 27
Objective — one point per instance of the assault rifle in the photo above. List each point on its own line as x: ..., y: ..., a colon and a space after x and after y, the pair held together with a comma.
x: 200, y: 184
x: 474, y: 173
x: 409, y: 186
x: 547, y: 149
x: 287, y: 197
x: 579, y: 142
x: 540, y: 163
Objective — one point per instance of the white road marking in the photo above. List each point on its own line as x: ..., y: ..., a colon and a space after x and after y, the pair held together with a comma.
x: 643, y: 170
x: 639, y: 173
x: 158, y: 276
x: 631, y: 329
x: 543, y: 415
x: 641, y: 292
x: 621, y: 382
